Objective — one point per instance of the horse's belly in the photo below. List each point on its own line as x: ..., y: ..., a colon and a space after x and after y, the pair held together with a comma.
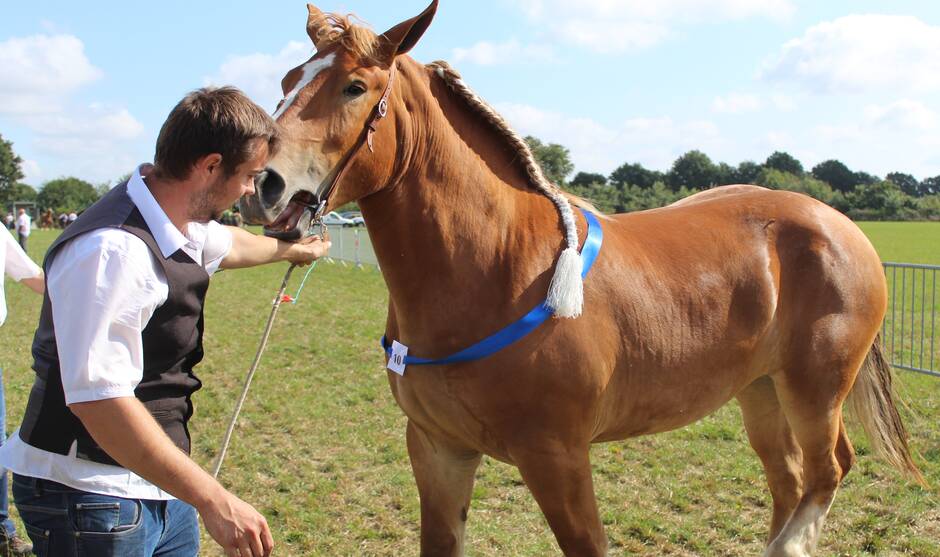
x: 662, y: 400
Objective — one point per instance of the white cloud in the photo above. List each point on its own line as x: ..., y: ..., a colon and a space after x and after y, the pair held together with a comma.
x: 39, y: 76
x: 904, y: 114
x: 740, y: 103
x: 32, y: 172
x: 736, y: 103
x: 861, y: 53
x: 617, y: 25
x: 259, y: 75
x: 512, y: 51
x: 594, y: 147
x: 36, y: 72
x: 97, y: 143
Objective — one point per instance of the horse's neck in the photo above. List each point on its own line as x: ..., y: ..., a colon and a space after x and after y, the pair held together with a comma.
x: 459, y: 246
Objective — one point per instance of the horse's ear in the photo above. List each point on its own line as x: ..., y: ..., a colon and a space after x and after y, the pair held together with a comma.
x: 401, y: 38
x: 315, y: 21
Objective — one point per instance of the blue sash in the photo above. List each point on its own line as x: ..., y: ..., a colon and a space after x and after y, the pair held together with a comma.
x: 528, y: 323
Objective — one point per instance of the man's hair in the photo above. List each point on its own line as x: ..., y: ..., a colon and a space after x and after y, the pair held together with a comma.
x: 212, y: 120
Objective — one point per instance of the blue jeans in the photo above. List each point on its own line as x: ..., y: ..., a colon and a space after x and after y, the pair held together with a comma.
x: 5, y: 521
x: 64, y: 522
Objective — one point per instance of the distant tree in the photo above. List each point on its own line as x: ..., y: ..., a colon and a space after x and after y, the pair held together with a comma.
x: 22, y: 192
x: 906, y: 182
x: 634, y: 174
x: 784, y: 162
x: 929, y: 186
x: 929, y: 206
x: 10, y: 171
x: 780, y: 180
x: 66, y: 194
x: 866, y: 178
x: 881, y: 200
x: 693, y: 170
x: 747, y: 173
x: 725, y: 174
x: 102, y: 189
x: 588, y: 178
x: 836, y: 174
x: 554, y: 159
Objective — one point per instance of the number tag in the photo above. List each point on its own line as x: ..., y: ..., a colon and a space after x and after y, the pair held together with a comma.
x: 396, y: 362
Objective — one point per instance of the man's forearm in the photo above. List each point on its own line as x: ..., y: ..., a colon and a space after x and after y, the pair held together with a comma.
x: 36, y: 284
x: 250, y: 249
x: 128, y: 433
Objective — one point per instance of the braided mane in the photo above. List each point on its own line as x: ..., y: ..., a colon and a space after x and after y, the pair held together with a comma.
x: 565, y: 294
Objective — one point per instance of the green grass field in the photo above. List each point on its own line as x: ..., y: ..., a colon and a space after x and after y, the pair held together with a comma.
x: 320, y: 445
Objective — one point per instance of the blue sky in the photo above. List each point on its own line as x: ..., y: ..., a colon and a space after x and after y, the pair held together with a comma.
x: 84, y: 87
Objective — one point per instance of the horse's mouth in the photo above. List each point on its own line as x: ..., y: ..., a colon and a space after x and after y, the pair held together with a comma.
x: 294, y: 220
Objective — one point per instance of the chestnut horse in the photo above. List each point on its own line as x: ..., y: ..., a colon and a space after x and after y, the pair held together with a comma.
x: 768, y: 297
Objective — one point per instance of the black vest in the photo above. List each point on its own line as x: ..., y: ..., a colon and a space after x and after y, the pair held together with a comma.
x: 172, y: 343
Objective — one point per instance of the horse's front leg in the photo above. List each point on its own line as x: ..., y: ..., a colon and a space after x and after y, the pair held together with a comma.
x: 560, y: 479
x: 444, y: 475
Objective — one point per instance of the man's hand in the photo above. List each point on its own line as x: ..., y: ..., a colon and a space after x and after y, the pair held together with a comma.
x: 125, y: 430
x: 306, y: 250
x: 236, y: 526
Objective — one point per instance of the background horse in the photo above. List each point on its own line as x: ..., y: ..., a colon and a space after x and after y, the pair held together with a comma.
x: 738, y: 292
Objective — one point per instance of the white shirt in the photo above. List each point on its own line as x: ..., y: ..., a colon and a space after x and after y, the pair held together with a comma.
x: 15, y: 263
x: 23, y: 224
x: 105, y: 286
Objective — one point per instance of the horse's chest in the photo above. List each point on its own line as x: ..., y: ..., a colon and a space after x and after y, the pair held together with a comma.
x: 448, y: 405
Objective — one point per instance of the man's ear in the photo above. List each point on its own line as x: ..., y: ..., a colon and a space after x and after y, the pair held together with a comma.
x: 402, y: 37
x: 208, y: 165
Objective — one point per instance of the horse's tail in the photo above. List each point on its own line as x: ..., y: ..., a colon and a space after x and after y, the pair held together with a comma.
x: 873, y: 402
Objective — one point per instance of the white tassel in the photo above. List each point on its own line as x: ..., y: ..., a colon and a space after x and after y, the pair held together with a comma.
x: 566, y: 292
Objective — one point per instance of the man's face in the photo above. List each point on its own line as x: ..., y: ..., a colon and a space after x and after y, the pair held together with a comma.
x: 224, y: 191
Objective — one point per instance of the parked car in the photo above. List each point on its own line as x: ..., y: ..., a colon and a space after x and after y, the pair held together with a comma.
x: 335, y: 219
x: 354, y: 216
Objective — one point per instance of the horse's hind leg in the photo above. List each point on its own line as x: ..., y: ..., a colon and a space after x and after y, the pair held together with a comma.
x: 812, y: 399
x: 560, y: 480
x: 445, y: 484
x: 773, y: 441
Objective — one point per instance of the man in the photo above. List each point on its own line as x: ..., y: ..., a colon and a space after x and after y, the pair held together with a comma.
x: 18, y: 266
x: 23, y: 227
x: 100, y: 463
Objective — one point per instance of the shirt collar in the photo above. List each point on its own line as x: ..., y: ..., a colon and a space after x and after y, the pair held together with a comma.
x: 167, y: 236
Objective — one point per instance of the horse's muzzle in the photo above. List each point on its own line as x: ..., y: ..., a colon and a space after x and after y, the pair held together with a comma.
x: 266, y: 204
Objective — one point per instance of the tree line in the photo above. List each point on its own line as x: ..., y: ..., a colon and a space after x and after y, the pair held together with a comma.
x: 632, y: 187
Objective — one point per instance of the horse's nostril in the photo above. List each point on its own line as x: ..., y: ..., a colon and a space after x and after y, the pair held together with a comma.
x: 270, y: 186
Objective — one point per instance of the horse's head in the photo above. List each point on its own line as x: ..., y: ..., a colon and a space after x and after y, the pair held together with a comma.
x: 330, y: 104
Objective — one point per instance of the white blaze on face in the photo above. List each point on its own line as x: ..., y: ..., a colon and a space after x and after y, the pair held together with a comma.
x: 310, y: 71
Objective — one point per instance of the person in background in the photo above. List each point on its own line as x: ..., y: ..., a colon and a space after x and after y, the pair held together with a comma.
x: 24, y: 225
x: 18, y: 266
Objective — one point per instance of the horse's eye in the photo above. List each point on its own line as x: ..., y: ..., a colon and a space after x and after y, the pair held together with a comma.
x: 355, y: 89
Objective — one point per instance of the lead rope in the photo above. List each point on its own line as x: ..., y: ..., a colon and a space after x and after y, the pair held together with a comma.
x: 281, y: 297
x: 251, y: 372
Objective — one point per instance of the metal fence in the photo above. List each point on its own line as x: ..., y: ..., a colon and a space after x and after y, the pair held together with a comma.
x: 909, y: 331
x: 352, y: 245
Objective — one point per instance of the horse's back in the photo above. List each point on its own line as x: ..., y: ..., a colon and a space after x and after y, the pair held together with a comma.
x: 719, y: 286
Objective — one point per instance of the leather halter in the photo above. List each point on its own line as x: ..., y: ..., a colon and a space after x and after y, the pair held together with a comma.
x: 378, y: 112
